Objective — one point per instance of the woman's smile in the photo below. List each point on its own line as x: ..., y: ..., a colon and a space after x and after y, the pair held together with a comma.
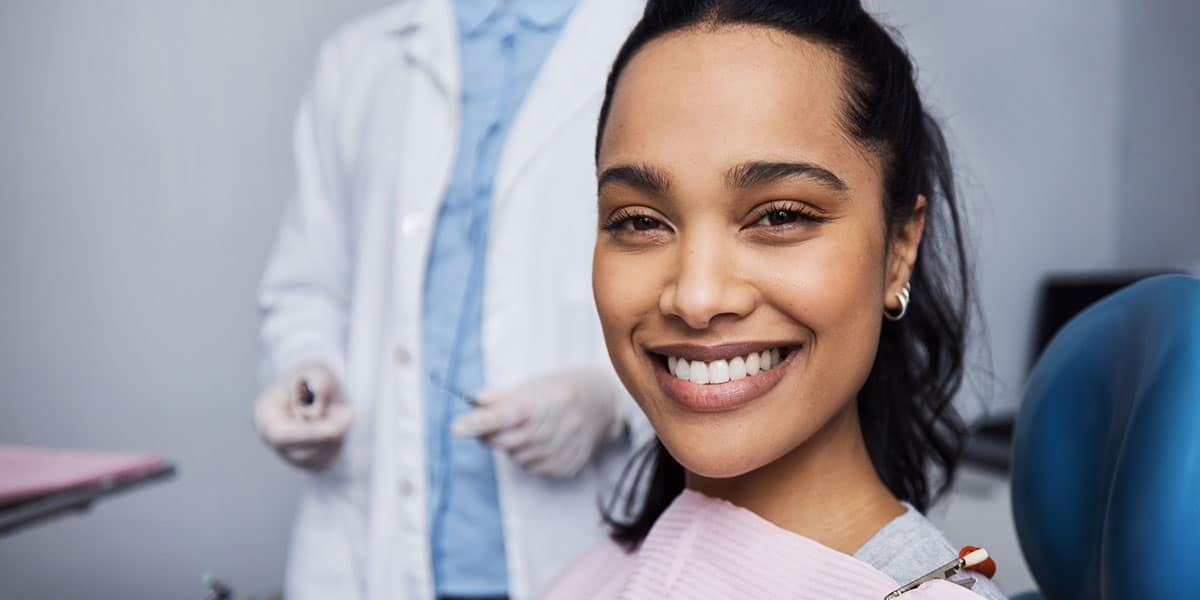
x: 722, y: 377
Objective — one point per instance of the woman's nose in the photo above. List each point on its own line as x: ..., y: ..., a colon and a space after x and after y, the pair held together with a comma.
x: 705, y: 285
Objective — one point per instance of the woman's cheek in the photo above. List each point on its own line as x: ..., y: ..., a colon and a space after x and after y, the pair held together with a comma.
x: 838, y: 300
x: 832, y: 279
x: 831, y: 288
x: 619, y: 294
x: 606, y: 280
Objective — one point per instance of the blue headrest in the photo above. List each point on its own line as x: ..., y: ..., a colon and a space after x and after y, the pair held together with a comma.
x: 1106, y: 451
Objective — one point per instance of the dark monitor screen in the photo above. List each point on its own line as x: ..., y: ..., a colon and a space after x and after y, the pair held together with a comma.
x: 1065, y: 296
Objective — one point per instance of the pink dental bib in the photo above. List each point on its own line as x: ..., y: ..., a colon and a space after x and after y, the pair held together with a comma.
x: 702, y: 548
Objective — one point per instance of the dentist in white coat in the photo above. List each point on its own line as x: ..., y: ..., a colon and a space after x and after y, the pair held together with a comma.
x: 380, y: 143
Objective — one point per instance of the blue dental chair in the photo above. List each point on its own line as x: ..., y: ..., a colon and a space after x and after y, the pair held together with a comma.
x: 1106, y: 450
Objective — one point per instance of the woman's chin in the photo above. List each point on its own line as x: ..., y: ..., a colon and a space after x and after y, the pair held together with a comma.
x: 714, y: 460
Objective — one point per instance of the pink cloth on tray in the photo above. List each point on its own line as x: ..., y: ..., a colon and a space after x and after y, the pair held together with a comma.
x: 702, y: 548
x: 30, y: 472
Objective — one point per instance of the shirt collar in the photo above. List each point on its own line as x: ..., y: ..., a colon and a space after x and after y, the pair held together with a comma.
x: 472, y: 14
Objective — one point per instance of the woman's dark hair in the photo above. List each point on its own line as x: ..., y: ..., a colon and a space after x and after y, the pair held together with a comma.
x: 912, y: 432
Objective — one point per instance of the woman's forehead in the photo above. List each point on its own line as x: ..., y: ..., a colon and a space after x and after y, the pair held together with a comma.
x: 712, y: 99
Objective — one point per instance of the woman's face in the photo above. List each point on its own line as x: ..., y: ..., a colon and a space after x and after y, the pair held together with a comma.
x: 742, y: 267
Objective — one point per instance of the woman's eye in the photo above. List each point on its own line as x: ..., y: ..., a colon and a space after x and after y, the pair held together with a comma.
x: 641, y: 223
x: 635, y: 223
x: 790, y: 217
x: 782, y: 217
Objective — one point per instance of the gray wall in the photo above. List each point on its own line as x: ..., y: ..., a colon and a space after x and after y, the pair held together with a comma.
x: 1160, y: 119
x: 146, y: 159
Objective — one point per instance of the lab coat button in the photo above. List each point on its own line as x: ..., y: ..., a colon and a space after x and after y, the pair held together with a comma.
x: 406, y: 488
x: 411, y: 223
x: 402, y: 357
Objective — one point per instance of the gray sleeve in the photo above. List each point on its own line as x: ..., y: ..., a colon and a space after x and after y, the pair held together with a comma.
x: 910, y: 546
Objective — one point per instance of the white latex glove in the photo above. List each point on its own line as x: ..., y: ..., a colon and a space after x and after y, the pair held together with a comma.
x: 552, y: 425
x: 308, y: 437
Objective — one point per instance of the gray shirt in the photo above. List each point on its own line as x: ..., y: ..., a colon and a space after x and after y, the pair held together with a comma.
x: 910, y: 546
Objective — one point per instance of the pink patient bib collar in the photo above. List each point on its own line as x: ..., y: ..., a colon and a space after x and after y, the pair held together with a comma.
x: 703, y: 548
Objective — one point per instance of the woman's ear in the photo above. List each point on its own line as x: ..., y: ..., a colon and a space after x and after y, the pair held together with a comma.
x: 905, y: 243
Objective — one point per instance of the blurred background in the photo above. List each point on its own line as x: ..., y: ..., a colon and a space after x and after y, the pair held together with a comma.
x: 146, y: 160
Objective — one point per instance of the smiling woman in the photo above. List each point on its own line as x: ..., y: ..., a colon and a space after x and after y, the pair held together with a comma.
x: 772, y: 194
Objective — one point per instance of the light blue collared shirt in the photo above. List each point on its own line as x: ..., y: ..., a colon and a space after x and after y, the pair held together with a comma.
x: 502, y: 44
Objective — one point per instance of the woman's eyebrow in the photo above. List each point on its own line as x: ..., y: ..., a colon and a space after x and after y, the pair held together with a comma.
x: 759, y: 172
x: 643, y: 177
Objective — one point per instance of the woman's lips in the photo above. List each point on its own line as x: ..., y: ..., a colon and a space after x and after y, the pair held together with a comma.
x: 720, y: 396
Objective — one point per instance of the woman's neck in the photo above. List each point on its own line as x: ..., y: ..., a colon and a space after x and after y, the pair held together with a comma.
x: 826, y: 489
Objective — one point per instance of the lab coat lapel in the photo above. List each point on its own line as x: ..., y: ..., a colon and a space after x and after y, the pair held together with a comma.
x: 432, y: 44
x: 424, y: 144
x: 574, y: 72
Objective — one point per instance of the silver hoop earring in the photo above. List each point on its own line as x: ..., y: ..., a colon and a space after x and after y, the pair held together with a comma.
x: 903, y: 296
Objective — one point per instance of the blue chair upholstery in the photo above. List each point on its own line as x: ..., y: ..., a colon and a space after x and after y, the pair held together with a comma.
x: 1106, y: 451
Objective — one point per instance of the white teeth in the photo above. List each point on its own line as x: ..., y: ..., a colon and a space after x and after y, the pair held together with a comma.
x: 721, y: 371
x: 718, y: 371
x: 683, y: 370
x: 752, y: 366
x: 737, y: 368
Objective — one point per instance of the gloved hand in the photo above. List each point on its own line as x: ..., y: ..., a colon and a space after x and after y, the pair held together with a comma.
x: 552, y: 425
x: 311, y: 436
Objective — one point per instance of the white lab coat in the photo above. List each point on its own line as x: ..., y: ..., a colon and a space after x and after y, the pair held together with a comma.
x: 375, y: 144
